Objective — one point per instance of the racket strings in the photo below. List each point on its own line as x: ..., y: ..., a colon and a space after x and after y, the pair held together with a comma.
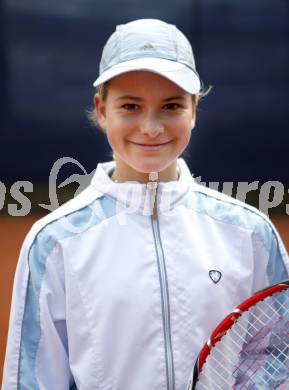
x: 222, y: 366
x: 277, y: 332
x: 245, y: 352
x: 256, y: 338
x: 276, y: 341
x: 253, y: 354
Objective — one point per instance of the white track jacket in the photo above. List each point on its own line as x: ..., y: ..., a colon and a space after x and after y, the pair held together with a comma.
x: 108, y: 296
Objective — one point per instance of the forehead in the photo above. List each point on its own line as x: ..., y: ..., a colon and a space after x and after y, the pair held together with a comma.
x: 144, y: 83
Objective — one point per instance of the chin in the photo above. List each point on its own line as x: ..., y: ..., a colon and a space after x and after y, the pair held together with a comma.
x: 148, y: 168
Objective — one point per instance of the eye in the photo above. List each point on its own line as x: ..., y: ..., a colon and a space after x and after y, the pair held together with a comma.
x: 130, y: 106
x: 172, y: 106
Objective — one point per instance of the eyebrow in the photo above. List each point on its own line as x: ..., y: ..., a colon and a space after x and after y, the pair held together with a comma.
x: 130, y: 97
x: 176, y: 97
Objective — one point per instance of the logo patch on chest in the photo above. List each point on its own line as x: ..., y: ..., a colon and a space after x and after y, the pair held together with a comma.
x: 215, y: 275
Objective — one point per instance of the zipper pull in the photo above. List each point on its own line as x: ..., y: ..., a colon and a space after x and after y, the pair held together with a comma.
x: 152, y: 185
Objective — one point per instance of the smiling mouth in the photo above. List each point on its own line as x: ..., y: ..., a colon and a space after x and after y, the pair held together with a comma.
x: 150, y: 147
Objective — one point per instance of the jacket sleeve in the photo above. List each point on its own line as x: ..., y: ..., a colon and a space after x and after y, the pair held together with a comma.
x: 269, y: 254
x: 37, y: 348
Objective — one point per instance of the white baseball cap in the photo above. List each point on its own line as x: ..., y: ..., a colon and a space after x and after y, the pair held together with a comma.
x: 150, y: 45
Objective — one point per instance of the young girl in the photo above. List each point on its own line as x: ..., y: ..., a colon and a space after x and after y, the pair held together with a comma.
x: 113, y: 289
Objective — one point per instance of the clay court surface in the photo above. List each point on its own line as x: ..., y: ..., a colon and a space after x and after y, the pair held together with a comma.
x: 12, y: 233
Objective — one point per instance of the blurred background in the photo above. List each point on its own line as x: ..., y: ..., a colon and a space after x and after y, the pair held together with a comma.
x: 49, y: 55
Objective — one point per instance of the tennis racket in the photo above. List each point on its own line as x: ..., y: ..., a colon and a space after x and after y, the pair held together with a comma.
x: 249, y: 349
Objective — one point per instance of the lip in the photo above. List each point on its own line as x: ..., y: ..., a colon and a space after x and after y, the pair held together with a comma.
x: 150, y: 147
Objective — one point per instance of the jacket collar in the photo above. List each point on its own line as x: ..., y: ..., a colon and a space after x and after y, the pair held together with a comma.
x: 138, y: 197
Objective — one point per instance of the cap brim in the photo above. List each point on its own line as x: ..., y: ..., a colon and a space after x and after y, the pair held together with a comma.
x: 178, y: 73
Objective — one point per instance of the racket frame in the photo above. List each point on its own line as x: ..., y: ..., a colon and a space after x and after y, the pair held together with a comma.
x: 222, y: 328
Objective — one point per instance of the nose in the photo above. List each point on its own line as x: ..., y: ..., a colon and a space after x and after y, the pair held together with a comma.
x: 151, y: 125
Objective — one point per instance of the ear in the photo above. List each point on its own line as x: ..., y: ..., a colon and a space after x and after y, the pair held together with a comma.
x: 194, y: 113
x: 100, y: 109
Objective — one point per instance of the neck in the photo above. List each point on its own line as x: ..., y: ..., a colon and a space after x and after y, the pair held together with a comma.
x: 128, y: 174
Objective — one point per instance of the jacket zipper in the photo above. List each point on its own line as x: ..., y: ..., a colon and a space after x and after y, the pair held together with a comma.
x: 163, y: 285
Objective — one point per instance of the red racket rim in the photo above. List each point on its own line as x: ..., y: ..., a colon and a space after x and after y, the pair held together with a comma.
x: 226, y: 324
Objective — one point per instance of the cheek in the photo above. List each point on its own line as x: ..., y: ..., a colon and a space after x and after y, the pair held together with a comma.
x: 117, y: 131
x: 121, y: 126
x: 183, y: 135
x: 183, y: 120
x: 182, y: 128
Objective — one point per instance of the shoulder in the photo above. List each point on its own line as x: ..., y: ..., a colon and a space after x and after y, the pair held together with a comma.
x: 225, y: 209
x: 71, y: 219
